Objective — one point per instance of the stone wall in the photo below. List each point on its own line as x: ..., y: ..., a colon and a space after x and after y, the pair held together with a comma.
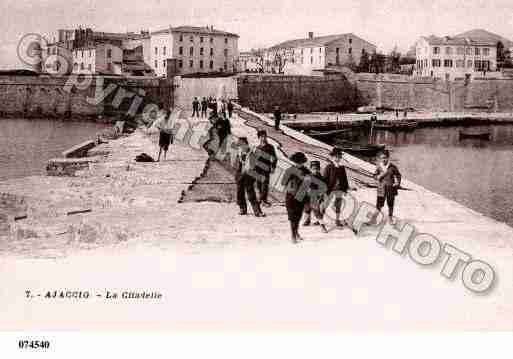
x: 297, y: 94
x: 78, y: 97
x: 481, y: 94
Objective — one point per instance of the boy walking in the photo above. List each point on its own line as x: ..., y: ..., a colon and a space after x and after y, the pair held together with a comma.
x: 389, y: 180
x: 317, y: 190
x: 267, y: 159
x: 335, y: 177
x: 204, y: 106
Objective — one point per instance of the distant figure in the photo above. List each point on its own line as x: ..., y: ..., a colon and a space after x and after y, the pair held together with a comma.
x: 244, y: 177
x: 277, y: 118
x: 389, y: 180
x: 204, y: 107
x: 405, y: 113
x: 230, y: 108
x: 374, y: 117
x: 396, y: 113
x: 166, y: 135
x: 295, y: 192
x: 195, y: 107
x: 267, y: 160
x: 317, y: 190
x: 335, y: 177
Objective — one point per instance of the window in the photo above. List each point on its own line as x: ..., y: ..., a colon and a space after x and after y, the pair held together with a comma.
x: 211, y: 40
x: 477, y: 51
x: 311, y: 60
x: 48, y: 51
x: 211, y: 65
x: 460, y: 63
x: 163, y: 63
x: 436, y: 50
x: 82, y: 66
x: 201, y: 38
x: 201, y: 64
x: 180, y: 63
x: 447, y: 63
x: 89, y: 67
x: 180, y: 50
x: 191, y: 51
x: 320, y: 49
x: 436, y: 62
x: 311, y: 50
x: 181, y: 37
x: 469, y: 63
x: 164, y: 50
x: 350, y: 50
x: 350, y: 41
x: 460, y: 50
x: 225, y: 66
x: 191, y: 63
x: 54, y: 50
x: 81, y: 53
x: 320, y: 59
x: 338, y: 50
x: 225, y: 40
x: 301, y: 51
x: 109, y: 53
x: 468, y: 51
x: 156, y: 64
x: 75, y: 66
x: 486, y: 51
x: 156, y: 50
x: 191, y: 38
x: 448, y: 51
x: 201, y: 51
x: 90, y: 53
x: 211, y: 52
x: 225, y: 52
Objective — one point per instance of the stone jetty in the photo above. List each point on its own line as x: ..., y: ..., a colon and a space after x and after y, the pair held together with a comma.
x: 130, y: 231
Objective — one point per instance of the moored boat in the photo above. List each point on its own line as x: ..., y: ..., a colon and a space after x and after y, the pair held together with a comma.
x: 367, y: 149
x: 395, y: 125
x: 477, y: 135
x: 328, y: 133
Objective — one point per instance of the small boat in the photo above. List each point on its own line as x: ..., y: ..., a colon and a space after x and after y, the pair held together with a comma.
x: 328, y: 133
x: 367, y: 149
x: 477, y: 135
x: 395, y: 125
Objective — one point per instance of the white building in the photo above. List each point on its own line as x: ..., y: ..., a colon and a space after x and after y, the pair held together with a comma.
x: 303, y: 56
x: 454, y: 57
x: 196, y: 50
x: 249, y: 62
x: 100, y: 59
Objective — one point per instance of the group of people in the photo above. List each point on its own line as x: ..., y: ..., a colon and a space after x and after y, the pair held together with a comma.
x: 308, y: 191
x: 216, y: 105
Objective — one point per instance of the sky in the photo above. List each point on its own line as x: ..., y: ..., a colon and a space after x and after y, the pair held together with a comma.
x: 259, y: 23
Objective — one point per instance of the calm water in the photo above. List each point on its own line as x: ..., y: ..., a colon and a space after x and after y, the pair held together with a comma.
x: 476, y: 173
x: 26, y: 145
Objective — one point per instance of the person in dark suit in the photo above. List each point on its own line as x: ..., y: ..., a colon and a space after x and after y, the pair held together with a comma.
x: 277, y: 118
x: 337, y: 184
x: 267, y: 159
x: 389, y: 179
x: 317, y: 191
x: 295, y: 192
x: 204, y: 107
x: 195, y: 107
x: 245, y: 179
x: 230, y: 108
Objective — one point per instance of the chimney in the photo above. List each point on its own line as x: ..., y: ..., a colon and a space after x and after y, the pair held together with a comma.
x: 310, y: 35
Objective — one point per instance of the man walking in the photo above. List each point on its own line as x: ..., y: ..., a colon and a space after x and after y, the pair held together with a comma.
x: 195, y: 107
x: 230, y: 108
x: 244, y: 177
x: 277, y: 118
x: 266, y: 164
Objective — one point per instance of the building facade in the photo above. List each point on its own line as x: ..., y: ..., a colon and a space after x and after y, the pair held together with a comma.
x: 105, y: 59
x: 249, y: 62
x: 454, y: 57
x: 196, y: 50
x: 304, y: 56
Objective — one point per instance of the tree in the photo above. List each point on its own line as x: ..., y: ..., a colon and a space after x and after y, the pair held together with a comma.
x: 364, y: 65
